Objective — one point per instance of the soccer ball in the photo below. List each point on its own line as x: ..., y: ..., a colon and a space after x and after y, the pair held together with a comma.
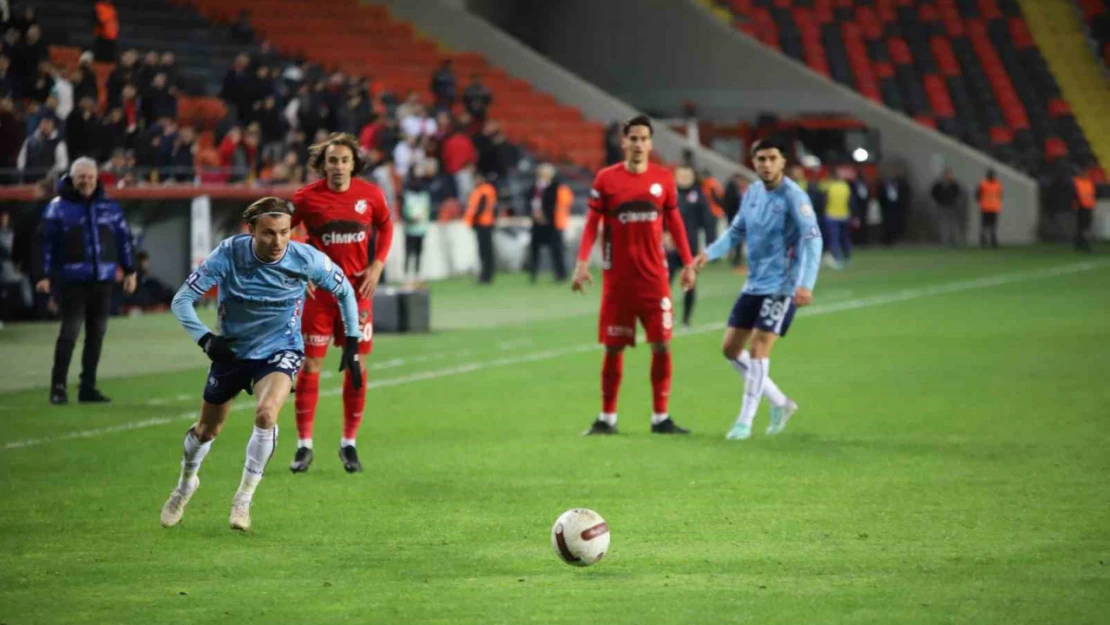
x: 580, y: 537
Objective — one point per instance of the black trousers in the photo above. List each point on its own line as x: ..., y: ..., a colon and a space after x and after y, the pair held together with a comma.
x: 689, y: 298
x: 1084, y: 217
x: 414, y: 249
x: 552, y: 239
x: 87, y: 302
x: 988, y: 231
x: 485, y: 252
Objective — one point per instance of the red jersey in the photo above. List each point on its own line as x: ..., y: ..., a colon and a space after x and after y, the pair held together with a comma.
x: 339, y: 224
x: 633, y: 208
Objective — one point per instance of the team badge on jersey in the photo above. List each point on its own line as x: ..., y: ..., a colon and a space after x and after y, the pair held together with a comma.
x: 657, y: 190
x: 807, y: 210
x: 360, y: 207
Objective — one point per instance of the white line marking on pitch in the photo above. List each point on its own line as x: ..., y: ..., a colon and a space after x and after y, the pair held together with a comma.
x: 817, y: 309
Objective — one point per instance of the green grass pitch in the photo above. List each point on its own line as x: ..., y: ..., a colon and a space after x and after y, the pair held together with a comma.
x: 949, y: 465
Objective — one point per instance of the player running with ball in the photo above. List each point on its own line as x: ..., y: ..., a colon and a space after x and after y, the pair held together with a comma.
x: 634, y: 200
x: 262, y: 279
x: 784, y: 254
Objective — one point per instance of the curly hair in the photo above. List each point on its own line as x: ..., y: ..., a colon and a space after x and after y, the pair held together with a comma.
x: 316, y: 152
x: 267, y: 206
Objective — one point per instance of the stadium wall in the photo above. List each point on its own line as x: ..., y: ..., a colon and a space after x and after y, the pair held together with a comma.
x: 451, y: 24
x: 657, y: 54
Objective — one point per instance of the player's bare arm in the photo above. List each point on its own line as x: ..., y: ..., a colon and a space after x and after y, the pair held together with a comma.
x: 582, y: 277
x: 368, y: 279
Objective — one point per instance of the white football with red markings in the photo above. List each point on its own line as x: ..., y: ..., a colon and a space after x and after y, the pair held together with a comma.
x: 580, y: 537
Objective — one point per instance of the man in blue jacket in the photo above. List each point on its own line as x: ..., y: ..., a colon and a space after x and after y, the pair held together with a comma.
x: 84, y: 240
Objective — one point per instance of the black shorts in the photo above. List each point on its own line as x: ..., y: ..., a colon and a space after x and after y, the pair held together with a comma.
x: 770, y: 313
x: 227, y: 379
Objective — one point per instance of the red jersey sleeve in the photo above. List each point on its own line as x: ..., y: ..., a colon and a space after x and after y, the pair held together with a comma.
x: 383, y: 225
x: 670, y: 196
x: 597, y: 197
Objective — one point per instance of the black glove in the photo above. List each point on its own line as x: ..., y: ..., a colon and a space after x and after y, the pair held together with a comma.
x: 349, y: 360
x: 217, y: 347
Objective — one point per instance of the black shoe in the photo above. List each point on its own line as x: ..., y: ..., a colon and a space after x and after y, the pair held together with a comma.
x: 668, y: 426
x: 350, y: 459
x: 58, y: 395
x: 600, y: 427
x: 92, y: 396
x: 301, y: 460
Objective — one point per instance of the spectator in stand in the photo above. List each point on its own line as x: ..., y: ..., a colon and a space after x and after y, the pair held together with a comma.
x: 106, y: 32
x: 445, y: 85
x: 459, y: 160
x: 951, y: 217
x: 43, y: 153
x: 12, y: 132
x: 368, y: 135
x: 441, y: 187
x: 418, y: 124
x: 83, y: 78
x: 118, y: 134
x: 83, y: 130
x: 123, y: 74
x: 41, y: 84
x: 252, y: 146
x: 409, y: 106
x: 407, y: 155
x: 157, y: 101
x: 495, y: 154
x: 8, y: 84
x: 289, y: 170
x: 477, y: 99
x: 118, y: 171
x: 168, y: 66
x: 182, y: 154
x: 27, y: 56
x: 273, y: 129
x: 241, y: 29
x: 151, y: 65
x: 130, y: 106
x: 235, y: 90
x: 148, y: 151
x: 62, y: 92
x: 233, y: 158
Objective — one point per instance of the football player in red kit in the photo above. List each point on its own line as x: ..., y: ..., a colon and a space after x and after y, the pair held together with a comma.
x: 633, y: 201
x: 339, y: 212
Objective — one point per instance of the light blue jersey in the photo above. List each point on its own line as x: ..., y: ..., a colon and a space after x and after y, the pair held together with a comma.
x: 260, y: 303
x: 784, y: 242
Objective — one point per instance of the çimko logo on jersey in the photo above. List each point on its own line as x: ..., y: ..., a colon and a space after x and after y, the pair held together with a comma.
x: 343, y: 231
x: 637, y: 212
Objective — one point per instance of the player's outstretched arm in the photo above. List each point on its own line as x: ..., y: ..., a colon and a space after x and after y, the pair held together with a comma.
x: 328, y: 276
x: 732, y: 237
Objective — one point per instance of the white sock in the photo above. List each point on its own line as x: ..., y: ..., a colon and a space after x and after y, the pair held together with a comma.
x: 753, y: 388
x: 771, y: 391
x: 304, y: 442
x: 659, y: 417
x: 195, y: 451
x: 608, y: 417
x: 346, y: 442
x: 260, y: 448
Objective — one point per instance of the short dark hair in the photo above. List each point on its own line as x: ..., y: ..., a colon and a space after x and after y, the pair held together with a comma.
x: 769, y: 143
x: 316, y: 152
x: 267, y: 206
x: 639, y: 120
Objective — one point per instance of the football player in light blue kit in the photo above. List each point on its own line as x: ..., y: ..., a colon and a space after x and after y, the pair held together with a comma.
x: 262, y: 278
x: 784, y: 254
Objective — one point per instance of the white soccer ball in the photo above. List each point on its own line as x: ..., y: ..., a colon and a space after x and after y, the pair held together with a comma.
x: 580, y: 537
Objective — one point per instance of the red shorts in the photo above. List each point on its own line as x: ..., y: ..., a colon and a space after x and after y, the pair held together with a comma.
x: 323, y: 324
x: 619, y: 312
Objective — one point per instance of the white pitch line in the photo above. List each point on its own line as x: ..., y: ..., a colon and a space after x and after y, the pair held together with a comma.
x: 818, y: 309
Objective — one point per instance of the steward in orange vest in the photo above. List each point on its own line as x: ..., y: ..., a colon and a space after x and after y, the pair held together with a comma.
x: 481, y: 212
x: 990, y: 205
x: 1085, y: 199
